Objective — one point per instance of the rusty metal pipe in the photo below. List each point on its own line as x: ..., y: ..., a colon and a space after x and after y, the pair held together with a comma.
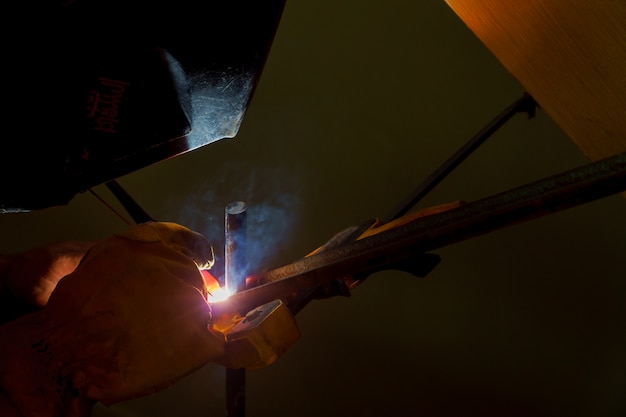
x: 550, y: 195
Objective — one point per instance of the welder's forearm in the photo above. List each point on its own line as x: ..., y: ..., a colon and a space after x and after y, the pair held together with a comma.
x: 7, y: 408
x: 5, y: 296
x: 17, y: 363
x: 29, y: 386
x: 11, y: 307
x: 4, y: 266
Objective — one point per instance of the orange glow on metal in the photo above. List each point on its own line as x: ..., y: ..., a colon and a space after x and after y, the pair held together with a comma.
x: 217, y: 295
x: 215, y: 292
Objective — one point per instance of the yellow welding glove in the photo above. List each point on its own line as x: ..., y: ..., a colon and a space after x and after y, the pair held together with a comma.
x: 130, y: 320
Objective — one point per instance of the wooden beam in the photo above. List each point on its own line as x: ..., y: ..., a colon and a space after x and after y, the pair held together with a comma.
x: 569, y: 55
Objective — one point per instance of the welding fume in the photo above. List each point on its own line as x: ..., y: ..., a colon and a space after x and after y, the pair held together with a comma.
x: 99, y: 89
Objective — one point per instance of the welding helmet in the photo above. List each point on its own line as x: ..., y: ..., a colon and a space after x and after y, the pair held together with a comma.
x: 96, y: 89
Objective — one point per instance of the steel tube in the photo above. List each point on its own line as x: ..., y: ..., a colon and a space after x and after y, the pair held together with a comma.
x: 569, y: 189
x: 235, y: 227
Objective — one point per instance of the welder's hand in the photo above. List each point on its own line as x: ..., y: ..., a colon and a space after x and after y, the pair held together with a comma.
x: 29, y: 277
x: 129, y: 321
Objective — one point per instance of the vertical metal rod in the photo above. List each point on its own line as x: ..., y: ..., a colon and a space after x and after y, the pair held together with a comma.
x: 235, y: 223
x: 235, y: 270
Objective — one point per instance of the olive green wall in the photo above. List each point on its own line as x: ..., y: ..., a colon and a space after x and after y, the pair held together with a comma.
x: 360, y: 101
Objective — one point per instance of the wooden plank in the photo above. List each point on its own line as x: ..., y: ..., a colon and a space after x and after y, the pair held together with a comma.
x: 569, y: 55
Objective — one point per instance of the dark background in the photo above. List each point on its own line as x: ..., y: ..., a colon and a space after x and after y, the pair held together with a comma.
x: 359, y: 102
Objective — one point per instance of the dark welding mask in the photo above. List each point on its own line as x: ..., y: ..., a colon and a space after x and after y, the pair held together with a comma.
x: 96, y: 89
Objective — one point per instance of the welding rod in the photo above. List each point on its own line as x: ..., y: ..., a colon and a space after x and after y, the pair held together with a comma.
x: 235, y: 225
